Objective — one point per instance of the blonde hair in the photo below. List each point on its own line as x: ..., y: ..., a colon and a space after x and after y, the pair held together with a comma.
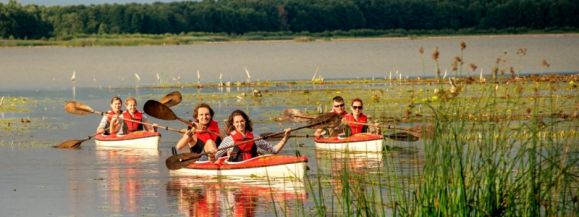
x: 130, y: 98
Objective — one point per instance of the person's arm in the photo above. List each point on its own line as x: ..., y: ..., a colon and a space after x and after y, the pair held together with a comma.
x: 148, y: 126
x: 114, y: 125
x: 102, y: 125
x: 227, y: 141
x: 187, y: 138
x: 276, y: 148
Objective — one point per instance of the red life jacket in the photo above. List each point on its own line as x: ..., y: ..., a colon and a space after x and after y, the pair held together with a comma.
x: 132, y: 126
x: 343, y: 114
x: 356, y: 128
x: 212, y: 134
x: 248, y: 150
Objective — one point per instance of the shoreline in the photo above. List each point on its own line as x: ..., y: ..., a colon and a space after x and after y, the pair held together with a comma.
x: 136, y: 40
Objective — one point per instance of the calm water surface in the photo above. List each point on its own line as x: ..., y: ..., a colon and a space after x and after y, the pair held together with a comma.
x: 37, y: 180
x: 50, y: 67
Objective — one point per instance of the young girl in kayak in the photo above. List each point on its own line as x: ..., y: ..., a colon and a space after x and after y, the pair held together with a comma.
x: 112, y: 116
x: 240, y: 132
x: 133, y: 114
x: 204, y: 132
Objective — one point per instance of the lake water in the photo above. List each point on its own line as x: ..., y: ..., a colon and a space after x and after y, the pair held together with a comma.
x: 37, y: 180
x: 51, y: 67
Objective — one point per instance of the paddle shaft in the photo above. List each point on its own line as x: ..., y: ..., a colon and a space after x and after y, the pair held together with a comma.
x: 356, y: 123
x: 158, y: 126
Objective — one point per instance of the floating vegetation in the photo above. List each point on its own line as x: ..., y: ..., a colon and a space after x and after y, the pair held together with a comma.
x: 15, y: 104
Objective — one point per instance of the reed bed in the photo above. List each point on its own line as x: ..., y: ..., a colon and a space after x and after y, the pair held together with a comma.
x: 497, y: 150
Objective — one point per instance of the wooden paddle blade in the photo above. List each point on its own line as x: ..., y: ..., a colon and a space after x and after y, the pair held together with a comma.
x: 179, y: 161
x: 295, y: 115
x: 326, y: 120
x: 159, y: 110
x: 402, y: 136
x: 172, y: 99
x: 77, y: 108
x: 73, y: 143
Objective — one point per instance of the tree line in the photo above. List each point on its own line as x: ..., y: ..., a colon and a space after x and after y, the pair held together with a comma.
x: 291, y: 16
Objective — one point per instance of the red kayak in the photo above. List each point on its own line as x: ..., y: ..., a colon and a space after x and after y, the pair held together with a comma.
x: 273, y: 166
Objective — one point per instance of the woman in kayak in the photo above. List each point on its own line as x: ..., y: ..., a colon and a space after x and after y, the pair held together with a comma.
x: 358, y: 121
x: 240, y: 129
x: 112, y: 116
x: 133, y: 114
x: 203, y: 134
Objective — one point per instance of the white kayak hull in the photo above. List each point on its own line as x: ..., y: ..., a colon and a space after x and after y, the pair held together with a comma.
x: 289, y: 168
x: 144, y: 140
x: 355, y: 143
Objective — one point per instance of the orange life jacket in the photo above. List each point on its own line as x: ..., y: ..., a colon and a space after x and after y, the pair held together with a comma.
x: 247, y: 150
x: 132, y: 126
x: 356, y: 128
x: 212, y: 134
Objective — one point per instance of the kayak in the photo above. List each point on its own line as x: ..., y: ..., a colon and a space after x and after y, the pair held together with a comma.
x: 140, y: 140
x: 361, y: 142
x: 272, y: 166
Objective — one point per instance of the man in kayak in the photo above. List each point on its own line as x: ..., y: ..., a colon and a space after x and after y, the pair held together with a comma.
x: 110, y: 123
x: 132, y: 114
x: 239, y: 127
x: 357, y: 120
x: 204, y: 132
x: 338, y: 107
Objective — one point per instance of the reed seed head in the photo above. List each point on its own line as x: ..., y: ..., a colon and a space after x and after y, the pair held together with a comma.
x: 435, y: 54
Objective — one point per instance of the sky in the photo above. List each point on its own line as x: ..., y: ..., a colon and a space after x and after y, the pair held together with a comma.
x: 85, y: 2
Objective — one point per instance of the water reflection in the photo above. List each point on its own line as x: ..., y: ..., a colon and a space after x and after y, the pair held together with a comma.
x: 348, y: 170
x: 124, y: 178
x: 235, y: 197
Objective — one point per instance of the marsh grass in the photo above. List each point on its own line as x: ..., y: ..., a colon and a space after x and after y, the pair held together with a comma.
x: 499, y: 149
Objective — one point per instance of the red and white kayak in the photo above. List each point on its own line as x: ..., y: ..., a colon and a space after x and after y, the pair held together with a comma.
x: 361, y: 142
x: 272, y: 166
x: 136, y: 140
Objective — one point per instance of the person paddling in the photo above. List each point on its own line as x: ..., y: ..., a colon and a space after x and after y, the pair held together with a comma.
x: 240, y: 130
x: 133, y: 114
x: 357, y: 120
x: 110, y: 123
x: 338, y: 107
x: 204, y: 132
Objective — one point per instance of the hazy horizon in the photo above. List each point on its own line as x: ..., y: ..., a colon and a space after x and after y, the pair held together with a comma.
x: 85, y: 2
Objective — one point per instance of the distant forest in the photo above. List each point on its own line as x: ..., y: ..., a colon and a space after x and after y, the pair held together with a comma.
x: 290, y: 16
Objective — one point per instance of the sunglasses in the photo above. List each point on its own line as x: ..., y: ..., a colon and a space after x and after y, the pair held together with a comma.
x: 358, y: 107
x: 337, y: 106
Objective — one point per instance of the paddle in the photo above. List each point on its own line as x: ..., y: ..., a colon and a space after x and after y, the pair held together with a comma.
x: 400, y: 136
x: 412, y: 133
x: 172, y: 99
x: 79, y: 108
x: 73, y: 143
x: 181, y: 160
x: 162, y: 111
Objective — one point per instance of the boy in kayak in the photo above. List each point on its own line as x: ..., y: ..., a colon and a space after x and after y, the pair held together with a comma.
x: 240, y: 128
x: 204, y: 132
x: 338, y: 107
x: 133, y: 114
x: 110, y: 123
